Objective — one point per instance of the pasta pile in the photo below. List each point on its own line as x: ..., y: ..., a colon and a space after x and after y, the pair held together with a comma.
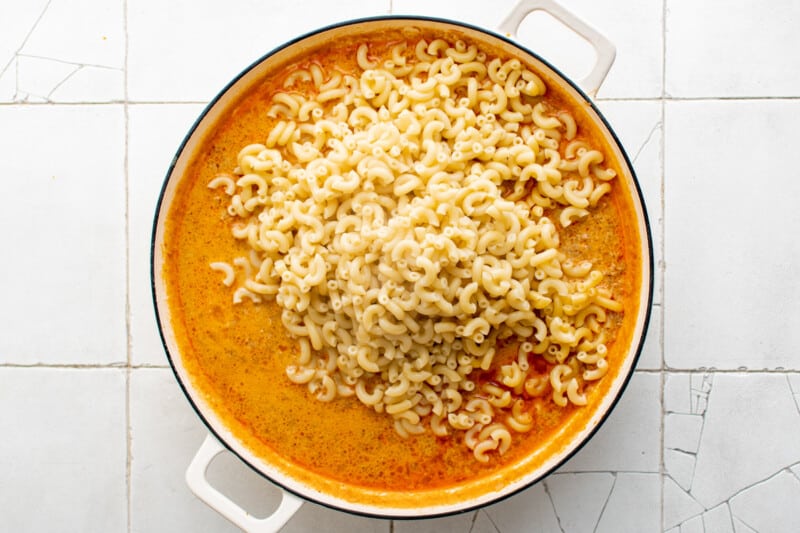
x: 398, y: 217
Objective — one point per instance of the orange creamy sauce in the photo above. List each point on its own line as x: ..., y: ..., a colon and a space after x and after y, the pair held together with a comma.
x: 237, y: 354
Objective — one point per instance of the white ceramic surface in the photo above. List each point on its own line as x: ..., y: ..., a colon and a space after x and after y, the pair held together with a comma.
x: 96, y: 434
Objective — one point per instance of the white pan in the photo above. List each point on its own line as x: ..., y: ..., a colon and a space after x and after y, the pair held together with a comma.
x: 296, y: 491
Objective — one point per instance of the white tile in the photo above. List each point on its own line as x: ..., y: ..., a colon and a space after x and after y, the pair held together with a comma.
x: 682, y: 432
x: 90, y: 32
x: 693, y: 525
x: 741, y: 527
x: 796, y: 470
x: 794, y: 385
x: 450, y: 524
x: 64, y: 218
x: 631, y: 437
x: 701, y: 384
x: 14, y: 28
x: 47, y: 80
x: 750, y: 433
x: 484, y: 524
x: 531, y: 510
x: 579, y: 499
x: 633, y: 505
x: 8, y: 82
x: 678, y: 505
x: 204, y: 46
x: 707, y: 53
x: 63, y: 449
x: 718, y: 519
x: 38, y: 77
x: 155, y: 132
x: 634, y: 27
x: 727, y: 239
x: 53, y: 41
x: 639, y: 128
x: 313, y: 517
x: 794, y: 382
x: 90, y: 84
x: 677, y: 393
x: 165, y: 435
x: 771, y: 505
x: 680, y: 467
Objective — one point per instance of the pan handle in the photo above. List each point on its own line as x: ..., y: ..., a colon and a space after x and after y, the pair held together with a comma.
x: 198, y: 483
x: 606, y: 52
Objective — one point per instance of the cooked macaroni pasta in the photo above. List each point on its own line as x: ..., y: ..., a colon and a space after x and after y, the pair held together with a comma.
x: 406, y: 218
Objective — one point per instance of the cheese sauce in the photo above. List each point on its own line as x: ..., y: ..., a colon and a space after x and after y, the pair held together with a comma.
x: 237, y: 354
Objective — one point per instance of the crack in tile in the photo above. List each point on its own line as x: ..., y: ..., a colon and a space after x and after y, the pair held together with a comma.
x: 689, y: 494
x: 792, y: 468
x: 16, y: 54
x: 647, y: 140
x: 609, y: 472
x: 730, y: 515
x: 680, y: 450
x: 700, y: 388
x: 605, y: 503
x: 553, y: 505
x: 75, y: 63
x: 748, y: 526
x: 676, y: 465
x: 62, y: 82
x: 795, y: 394
x: 699, y: 408
x: 488, y: 516
x: 699, y: 396
x: 23, y: 95
x: 727, y: 502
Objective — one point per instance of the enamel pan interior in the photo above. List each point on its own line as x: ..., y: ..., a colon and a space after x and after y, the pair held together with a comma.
x: 370, y: 504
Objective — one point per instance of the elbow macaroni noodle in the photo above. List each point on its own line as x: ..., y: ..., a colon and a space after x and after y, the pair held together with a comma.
x: 406, y: 219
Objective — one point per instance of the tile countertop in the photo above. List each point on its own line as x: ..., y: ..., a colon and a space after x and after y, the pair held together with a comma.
x: 95, y: 97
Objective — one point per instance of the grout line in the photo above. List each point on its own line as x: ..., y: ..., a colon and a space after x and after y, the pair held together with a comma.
x: 86, y: 366
x: 654, y: 99
x: 24, y: 103
x: 128, y: 345
x: 734, y: 371
x: 124, y: 102
x: 734, y: 98
x: 663, y: 262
